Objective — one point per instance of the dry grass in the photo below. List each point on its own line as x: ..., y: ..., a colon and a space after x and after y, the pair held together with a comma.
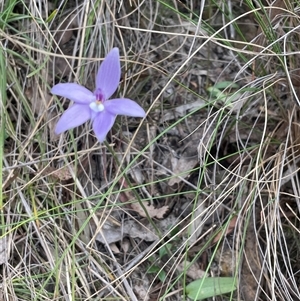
x: 207, y: 183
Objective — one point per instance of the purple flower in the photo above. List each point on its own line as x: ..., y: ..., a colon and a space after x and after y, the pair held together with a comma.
x: 96, y: 106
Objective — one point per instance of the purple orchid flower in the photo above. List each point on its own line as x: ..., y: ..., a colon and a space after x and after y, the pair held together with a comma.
x: 96, y: 106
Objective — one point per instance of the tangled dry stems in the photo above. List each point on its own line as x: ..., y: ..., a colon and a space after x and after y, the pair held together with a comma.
x: 61, y: 192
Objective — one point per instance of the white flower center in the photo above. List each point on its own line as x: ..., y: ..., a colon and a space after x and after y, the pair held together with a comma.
x: 97, y: 106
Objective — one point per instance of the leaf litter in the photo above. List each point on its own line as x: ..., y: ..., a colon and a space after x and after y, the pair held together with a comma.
x: 210, y: 145
x: 4, y: 253
x: 130, y: 229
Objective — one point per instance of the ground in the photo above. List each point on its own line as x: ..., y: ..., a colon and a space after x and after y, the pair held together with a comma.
x: 199, y: 199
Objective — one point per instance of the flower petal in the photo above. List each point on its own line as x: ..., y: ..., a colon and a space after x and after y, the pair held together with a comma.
x: 76, y: 115
x: 103, y: 122
x: 108, y: 77
x: 74, y: 92
x: 124, y: 106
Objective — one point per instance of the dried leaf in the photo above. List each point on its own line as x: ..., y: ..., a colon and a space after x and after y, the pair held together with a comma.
x: 125, y: 245
x: 130, y: 228
x: 110, y: 235
x: 63, y: 174
x: 142, y: 292
x: 136, y: 230
x: 137, y: 175
x: 197, y: 223
x: 193, y: 271
x: 3, y: 250
x: 186, y: 157
x: 229, y: 229
x: 114, y: 248
x: 152, y: 212
x: 182, y: 167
